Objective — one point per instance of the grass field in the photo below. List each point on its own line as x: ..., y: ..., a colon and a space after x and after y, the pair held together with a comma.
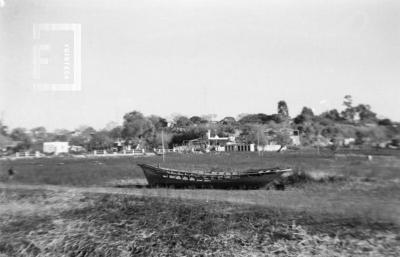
x: 80, y: 214
x: 100, y: 171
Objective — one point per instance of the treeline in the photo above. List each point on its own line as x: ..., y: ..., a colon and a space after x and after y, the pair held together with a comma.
x: 357, y: 122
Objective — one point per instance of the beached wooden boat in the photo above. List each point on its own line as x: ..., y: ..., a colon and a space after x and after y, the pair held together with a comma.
x: 253, y: 178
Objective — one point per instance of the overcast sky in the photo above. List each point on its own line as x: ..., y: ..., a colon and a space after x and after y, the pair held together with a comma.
x: 204, y: 56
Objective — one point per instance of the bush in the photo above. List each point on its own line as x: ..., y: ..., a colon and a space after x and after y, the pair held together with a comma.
x: 302, y: 177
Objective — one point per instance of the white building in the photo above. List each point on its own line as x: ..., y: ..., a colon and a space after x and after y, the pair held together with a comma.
x: 271, y: 148
x: 55, y: 147
x: 295, y: 136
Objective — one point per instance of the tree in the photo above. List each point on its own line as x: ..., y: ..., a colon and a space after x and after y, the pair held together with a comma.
x: 3, y: 129
x: 82, y: 136
x: 385, y: 122
x: 197, y: 120
x: 23, y: 139
x: 136, y: 126
x: 365, y: 113
x: 100, y: 140
x: 158, y: 122
x: 228, y: 121
x: 115, y: 133
x: 182, y: 121
x: 79, y: 140
x: 348, y: 113
x: 283, y: 109
x: 227, y: 125
x: 348, y: 101
x: 361, y: 111
x: 189, y: 134
x: 157, y: 141
x: 19, y: 134
x: 39, y: 134
x: 62, y: 135
x: 253, y: 133
x: 333, y: 115
x: 260, y: 118
x: 5, y: 142
x: 275, y: 118
x: 306, y: 115
x: 307, y: 112
x: 87, y: 132
x: 250, y: 118
x: 283, y: 139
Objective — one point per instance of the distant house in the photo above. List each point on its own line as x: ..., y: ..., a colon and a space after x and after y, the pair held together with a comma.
x: 239, y: 147
x: 127, y: 145
x: 118, y: 145
x: 55, y: 147
x: 271, y: 148
x: 218, y: 141
x: 349, y: 141
x: 295, y: 136
x: 77, y: 149
x: 206, y: 143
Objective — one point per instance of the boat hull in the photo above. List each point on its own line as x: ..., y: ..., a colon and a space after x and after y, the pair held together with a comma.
x: 159, y: 177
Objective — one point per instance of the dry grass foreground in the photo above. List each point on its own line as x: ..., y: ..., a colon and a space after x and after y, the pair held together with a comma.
x: 75, y: 223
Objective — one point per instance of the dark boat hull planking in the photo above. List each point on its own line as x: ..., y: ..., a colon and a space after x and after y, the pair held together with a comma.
x: 157, y: 176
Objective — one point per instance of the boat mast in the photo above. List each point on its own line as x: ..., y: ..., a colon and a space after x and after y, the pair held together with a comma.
x: 258, y: 141
x: 162, y: 142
